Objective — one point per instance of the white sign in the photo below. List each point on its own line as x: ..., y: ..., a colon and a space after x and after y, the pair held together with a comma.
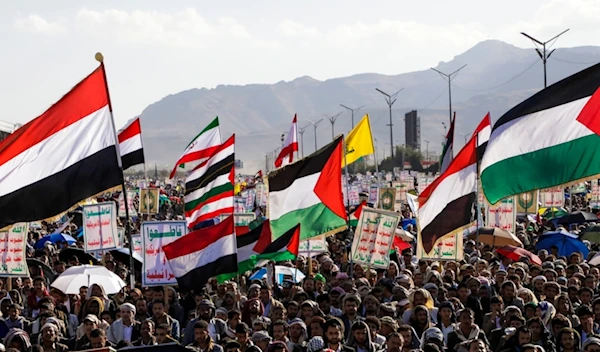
x: 413, y: 203
x: 313, y: 246
x: 448, y: 247
x: 241, y: 219
x: 155, y: 235
x: 595, y: 195
x: 502, y: 214
x: 137, y: 244
x: 130, y: 202
x: 374, y: 194
x: 553, y: 197
x: 261, y: 194
x: 13, y: 250
x: 354, y: 197
x: 374, y: 237
x: 100, y: 227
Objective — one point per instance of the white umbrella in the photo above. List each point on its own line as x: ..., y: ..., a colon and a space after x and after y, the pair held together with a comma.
x: 73, y: 278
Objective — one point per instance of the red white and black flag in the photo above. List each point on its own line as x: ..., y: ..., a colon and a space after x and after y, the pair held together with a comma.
x: 286, y: 156
x: 482, y: 134
x: 64, y: 156
x: 130, y: 144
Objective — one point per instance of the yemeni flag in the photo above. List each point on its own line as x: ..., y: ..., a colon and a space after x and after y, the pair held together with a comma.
x: 61, y: 158
x: 202, y: 254
x: 286, y: 156
x: 209, y: 187
x: 447, y: 204
x: 309, y: 191
x: 549, y: 139
x: 355, y: 216
x: 482, y: 133
x: 448, y: 150
x: 130, y: 144
x: 201, y: 147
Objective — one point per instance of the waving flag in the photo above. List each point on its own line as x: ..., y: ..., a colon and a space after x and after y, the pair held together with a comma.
x: 201, y: 147
x: 130, y: 144
x: 286, y: 156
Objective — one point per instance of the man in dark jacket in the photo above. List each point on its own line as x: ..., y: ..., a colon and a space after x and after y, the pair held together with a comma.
x: 206, y: 311
x: 334, y: 336
x: 465, y: 330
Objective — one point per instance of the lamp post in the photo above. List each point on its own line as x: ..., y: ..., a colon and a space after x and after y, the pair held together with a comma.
x: 315, y: 124
x: 449, y: 78
x: 427, y: 150
x: 332, y: 120
x: 390, y: 100
x: 301, y: 131
x: 544, y: 54
x: 352, y: 111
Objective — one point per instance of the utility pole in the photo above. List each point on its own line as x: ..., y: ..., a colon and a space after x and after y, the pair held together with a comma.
x: 315, y: 124
x: 464, y: 135
x: 352, y: 111
x: 301, y: 131
x: 427, y: 150
x: 390, y: 100
x: 332, y: 120
x: 544, y: 54
x: 449, y: 79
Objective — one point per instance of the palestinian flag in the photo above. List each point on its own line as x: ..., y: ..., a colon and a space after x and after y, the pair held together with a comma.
x: 309, y: 191
x: 209, y: 187
x: 130, y: 144
x: 447, y: 204
x: 201, y: 147
x: 202, y: 254
x: 61, y: 158
x: 355, y: 216
x: 448, y: 150
x: 257, y: 245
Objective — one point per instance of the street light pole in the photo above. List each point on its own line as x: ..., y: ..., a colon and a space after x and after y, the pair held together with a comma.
x: 332, y: 120
x: 544, y: 54
x: 449, y: 78
x: 390, y: 100
x: 352, y: 111
x: 427, y: 150
x: 315, y: 124
x: 301, y: 131
x: 464, y: 135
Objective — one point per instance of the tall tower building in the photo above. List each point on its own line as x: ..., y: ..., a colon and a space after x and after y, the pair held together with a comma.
x: 412, y: 128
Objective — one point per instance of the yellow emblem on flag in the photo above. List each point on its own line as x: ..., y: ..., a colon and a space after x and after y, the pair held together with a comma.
x: 359, y: 141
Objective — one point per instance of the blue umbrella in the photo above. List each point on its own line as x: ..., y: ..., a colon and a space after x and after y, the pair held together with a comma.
x: 406, y: 222
x: 566, y: 242
x: 54, y: 238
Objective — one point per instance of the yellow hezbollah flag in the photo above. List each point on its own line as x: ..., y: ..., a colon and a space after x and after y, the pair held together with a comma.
x: 359, y: 141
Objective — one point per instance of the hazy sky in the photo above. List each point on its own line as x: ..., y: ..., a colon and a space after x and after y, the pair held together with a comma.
x: 155, y: 48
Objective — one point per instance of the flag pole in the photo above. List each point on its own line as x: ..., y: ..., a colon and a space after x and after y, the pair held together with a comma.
x: 100, y: 58
x: 347, y: 195
x: 477, y: 224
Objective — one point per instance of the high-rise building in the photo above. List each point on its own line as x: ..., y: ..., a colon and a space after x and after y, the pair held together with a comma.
x: 412, y: 128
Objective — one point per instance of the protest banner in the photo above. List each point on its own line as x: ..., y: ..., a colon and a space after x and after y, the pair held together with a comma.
x: 239, y: 204
x: 149, y: 201
x: 448, y: 247
x: 595, y: 195
x: 13, y: 251
x: 579, y: 187
x: 552, y: 197
x: 130, y: 199
x: 413, y: 204
x: 374, y: 194
x: 527, y: 203
x: 502, y: 214
x: 354, y: 197
x: 155, y: 235
x: 137, y: 244
x: 250, y: 195
x: 261, y: 194
x: 373, y: 237
x: 387, y: 198
x: 313, y: 246
x: 100, y: 227
x: 240, y: 219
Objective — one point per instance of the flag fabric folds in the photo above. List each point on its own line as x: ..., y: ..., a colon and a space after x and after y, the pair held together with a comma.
x: 201, y: 147
x: 130, y: 144
x: 257, y: 245
x: 549, y: 139
x: 286, y: 156
x: 482, y: 133
x: 202, y: 254
x: 64, y: 156
x: 448, y: 149
x: 359, y: 142
x: 209, y: 187
x: 309, y: 191
x: 446, y: 205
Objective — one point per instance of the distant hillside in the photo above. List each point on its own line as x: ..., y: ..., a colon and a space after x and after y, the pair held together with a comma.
x: 498, y: 76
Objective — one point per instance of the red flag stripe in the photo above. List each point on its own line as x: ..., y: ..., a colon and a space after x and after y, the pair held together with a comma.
x: 132, y: 130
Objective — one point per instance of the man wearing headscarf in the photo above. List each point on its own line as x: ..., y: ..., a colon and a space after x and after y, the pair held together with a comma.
x: 298, y: 335
x: 125, y: 328
x: 216, y: 327
x: 360, y: 338
x: 50, y: 338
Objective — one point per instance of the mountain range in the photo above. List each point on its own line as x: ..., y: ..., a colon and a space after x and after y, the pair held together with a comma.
x: 497, y: 77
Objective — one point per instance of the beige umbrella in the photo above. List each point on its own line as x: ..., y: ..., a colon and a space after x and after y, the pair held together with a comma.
x: 496, y: 237
x: 404, y: 235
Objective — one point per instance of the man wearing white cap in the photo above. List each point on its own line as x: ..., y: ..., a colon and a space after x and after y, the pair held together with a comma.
x: 125, y: 328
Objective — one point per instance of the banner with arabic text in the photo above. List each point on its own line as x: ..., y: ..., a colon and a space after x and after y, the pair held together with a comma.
x: 313, y: 246
x: 374, y: 194
x: 13, y: 250
x: 502, y: 214
x: 448, y: 247
x: 137, y: 244
x: 594, y: 195
x: 554, y: 197
x: 155, y: 235
x: 100, y: 227
x: 239, y: 219
x: 130, y: 204
x: 374, y: 237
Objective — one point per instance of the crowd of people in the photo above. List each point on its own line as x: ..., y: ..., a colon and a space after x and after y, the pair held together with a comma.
x: 485, y: 302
